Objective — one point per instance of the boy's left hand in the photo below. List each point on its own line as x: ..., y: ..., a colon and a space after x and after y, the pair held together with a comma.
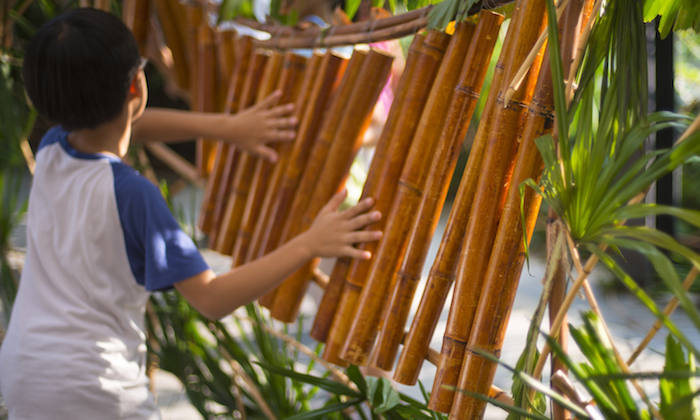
x: 265, y: 122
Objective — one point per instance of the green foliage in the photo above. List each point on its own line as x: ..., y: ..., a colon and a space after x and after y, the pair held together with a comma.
x: 678, y: 395
x: 674, y: 14
x: 448, y: 10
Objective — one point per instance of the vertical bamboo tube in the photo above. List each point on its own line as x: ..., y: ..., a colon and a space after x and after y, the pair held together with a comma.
x: 487, y: 206
x: 430, y: 53
x: 331, y: 296
x: 364, y: 327
x: 244, y: 48
x: 136, y: 15
x: 227, y: 53
x: 507, y: 255
x: 443, y: 162
x: 223, y: 240
x: 175, y: 41
x: 289, y: 83
x: 346, y: 142
x: 304, y: 107
x: 443, y: 271
x: 319, y: 150
x: 207, y: 97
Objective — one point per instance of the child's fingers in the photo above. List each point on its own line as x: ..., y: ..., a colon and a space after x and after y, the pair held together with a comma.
x: 359, y: 254
x: 364, y: 236
x: 363, y: 220
x: 359, y: 208
x: 282, y: 135
x: 283, y: 123
x: 270, y: 100
x: 281, y: 110
x: 266, y: 153
x: 334, y: 203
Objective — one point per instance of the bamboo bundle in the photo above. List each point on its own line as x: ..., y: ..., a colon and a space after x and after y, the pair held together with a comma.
x: 318, y: 73
x: 170, y: 23
x: 226, y: 51
x: 331, y: 296
x: 507, y: 255
x: 346, y: 142
x: 135, y: 14
x: 317, y: 156
x: 439, y: 173
x: 207, y: 95
x: 364, y: 327
x: 222, y: 239
x: 487, y: 205
x: 443, y: 271
x: 244, y: 47
x: 290, y: 80
x: 430, y: 54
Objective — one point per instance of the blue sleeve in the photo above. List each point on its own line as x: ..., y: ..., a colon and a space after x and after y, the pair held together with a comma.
x: 159, y: 252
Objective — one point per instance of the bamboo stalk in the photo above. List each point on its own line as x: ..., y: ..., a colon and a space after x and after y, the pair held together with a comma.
x: 175, y: 41
x: 556, y: 298
x: 237, y: 77
x: 501, y: 275
x: 175, y: 162
x: 331, y: 296
x: 207, y: 97
x: 287, y: 154
x: 487, y: 207
x: 290, y: 80
x: 364, y: 328
x: 346, y: 142
x: 317, y: 155
x: 443, y: 271
x: 424, y: 220
x: 220, y: 237
x: 430, y: 54
x: 227, y: 53
x: 135, y: 15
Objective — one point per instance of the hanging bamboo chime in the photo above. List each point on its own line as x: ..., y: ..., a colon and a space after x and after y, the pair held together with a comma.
x: 319, y: 81
x: 429, y: 53
x: 508, y: 254
x: 347, y: 140
x: 487, y: 203
x: 317, y: 155
x: 219, y: 177
x: 289, y: 84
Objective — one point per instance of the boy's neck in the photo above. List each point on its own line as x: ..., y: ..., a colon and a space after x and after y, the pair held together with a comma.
x: 110, y: 138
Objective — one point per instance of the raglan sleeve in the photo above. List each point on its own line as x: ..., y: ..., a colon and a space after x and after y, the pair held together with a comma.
x: 160, y: 253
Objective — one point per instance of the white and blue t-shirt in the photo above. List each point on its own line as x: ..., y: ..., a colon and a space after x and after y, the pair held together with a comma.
x: 99, y: 238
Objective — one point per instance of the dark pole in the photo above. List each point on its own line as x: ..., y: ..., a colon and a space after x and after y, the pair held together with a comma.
x: 664, y: 99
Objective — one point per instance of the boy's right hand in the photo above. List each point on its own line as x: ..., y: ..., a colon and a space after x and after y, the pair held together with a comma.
x: 333, y: 233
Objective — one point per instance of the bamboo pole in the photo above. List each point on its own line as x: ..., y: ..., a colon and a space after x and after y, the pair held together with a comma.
x: 364, y: 328
x: 331, y: 296
x: 417, y: 239
x: 227, y: 53
x: 289, y: 152
x: 444, y: 269
x: 487, y: 205
x: 207, y: 96
x: 346, y: 142
x: 135, y: 15
x: 244, y: 47
x: 175, y: 162
x: 175, y: 41
x: 289, y: 83
x: 221, y: 237
x: 317, y: 155
x: 430, y: 54
x: 501, y: 275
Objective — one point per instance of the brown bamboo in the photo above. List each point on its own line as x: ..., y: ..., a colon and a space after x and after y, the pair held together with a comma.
x: 207, y: 96
x: 430, y: 53
x: 227, y: 54
x: 364, y: 327
x: 237, y: 77
x: 230, y: 203
x: 135, y: 15
x: 175, y: 162
x: 331, y: 296
x: 501, y: 275
x: 270, y: 207
x: 175, y: 42
x: 555, y: 301
x: 317, y: 155
x: 487, y: 205
x: 289, y: 83
x: 424, y: 211
x: 346, y: 142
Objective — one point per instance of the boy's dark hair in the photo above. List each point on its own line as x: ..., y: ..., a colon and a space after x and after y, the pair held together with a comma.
x: 78, y: 67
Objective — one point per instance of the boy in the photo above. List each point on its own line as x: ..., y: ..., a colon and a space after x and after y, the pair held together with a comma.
x: 100, y: 236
